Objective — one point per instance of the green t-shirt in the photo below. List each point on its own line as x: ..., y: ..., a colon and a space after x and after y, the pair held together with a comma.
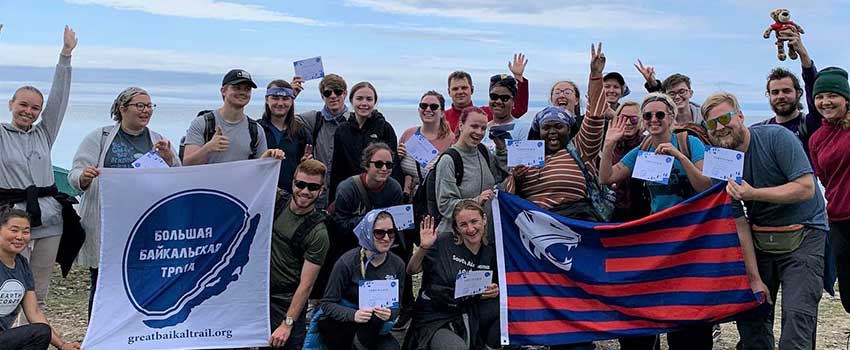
x: 285, y: 265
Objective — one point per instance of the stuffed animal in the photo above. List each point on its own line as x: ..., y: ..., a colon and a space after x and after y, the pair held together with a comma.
x: 782, y: 21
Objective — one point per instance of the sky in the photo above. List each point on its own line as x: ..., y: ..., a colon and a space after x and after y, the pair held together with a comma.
x: 180, y: 49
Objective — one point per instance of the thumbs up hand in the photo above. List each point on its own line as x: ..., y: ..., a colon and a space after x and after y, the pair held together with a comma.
x: 219, y: 142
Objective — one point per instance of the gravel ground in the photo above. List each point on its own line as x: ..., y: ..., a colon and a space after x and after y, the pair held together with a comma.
x: 67, y: 304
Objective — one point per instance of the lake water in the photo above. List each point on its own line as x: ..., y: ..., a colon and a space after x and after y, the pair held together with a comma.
x: 172, y: 120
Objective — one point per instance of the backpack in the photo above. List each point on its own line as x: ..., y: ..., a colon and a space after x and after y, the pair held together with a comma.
x: 601, y: 197
x: 296, y: 242
x: 209, y: 132
x: 802, y: 129
x: 425, y: 198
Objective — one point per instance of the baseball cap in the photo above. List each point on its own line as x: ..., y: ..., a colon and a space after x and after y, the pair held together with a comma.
x: 238, y: 76
x: 619, y: 78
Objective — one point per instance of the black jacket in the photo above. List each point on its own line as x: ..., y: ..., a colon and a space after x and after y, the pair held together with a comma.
x: 349, y: 142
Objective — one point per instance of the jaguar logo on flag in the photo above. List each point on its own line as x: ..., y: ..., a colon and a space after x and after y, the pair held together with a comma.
x: 547, y: 238
x: 184, y: 250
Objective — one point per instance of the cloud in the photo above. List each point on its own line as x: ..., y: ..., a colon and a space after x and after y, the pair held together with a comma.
x: 434, y: 33
x: 202, y: 9
x: 545, y: 13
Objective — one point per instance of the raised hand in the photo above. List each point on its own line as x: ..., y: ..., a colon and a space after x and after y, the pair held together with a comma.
x: 297, y: 84
x: 648, y: 72
x: 219, y: 142
x: 427, y: 232
x: 597, y: 59
x: 517, y: 67
x: 69, y: 41
x: 163, y: 148
x: 616, y: 130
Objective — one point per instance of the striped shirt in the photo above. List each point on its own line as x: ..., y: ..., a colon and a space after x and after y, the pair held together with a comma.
x: 560, y: 180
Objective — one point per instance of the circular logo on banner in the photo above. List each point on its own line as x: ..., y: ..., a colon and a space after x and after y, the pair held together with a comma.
x: 185, y: 249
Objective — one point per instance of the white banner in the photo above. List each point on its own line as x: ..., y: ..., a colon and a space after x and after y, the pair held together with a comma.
x: 184, y: 259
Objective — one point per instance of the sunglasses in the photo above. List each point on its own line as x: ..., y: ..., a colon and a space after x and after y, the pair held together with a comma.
x: 503, y: 98
x: 633, y: 119
x: 424, y: 106
x: 338, y: 92
x: 312, y: 187
x: 660, y: 115
x: 381, y: 164
x: 381, y: 234
x: 724, y: 119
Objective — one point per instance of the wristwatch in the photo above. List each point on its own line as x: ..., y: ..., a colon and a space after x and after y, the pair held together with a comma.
x: 289, y: 321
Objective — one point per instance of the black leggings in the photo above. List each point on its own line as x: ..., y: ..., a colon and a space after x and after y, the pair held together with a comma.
x: 359, y: 336
x: 34, y: 336
x: 839, y: 238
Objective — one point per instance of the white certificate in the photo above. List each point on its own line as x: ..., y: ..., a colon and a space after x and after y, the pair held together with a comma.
x: 653, y: 167
x: 310, y: 68
x: 150, y: 160
x: 723, y: 164
x: 420, y: 149
x: 378, y: 293
x: 402, y: 215
x: 525, y: 152
x: 472, y: 282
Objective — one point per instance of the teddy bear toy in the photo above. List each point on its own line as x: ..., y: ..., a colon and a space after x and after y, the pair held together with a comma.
x: 782, y: 21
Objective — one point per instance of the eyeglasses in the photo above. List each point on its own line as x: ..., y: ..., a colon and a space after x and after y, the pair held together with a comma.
x: 503, y: 98
x: 381, y: 164
x: 312, y: 187
x: 328, y: 92
x: 680, y: 92
x: 660, y: 115
x: 381, y: 234
x: 724, y: 119
x: 141, y: 106
x: 424, y: 106
x: 565, y: 92
x: 633, y: 119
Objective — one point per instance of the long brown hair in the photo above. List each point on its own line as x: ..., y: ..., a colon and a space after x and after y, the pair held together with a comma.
x: 290, y: 120
x: 444, y: 126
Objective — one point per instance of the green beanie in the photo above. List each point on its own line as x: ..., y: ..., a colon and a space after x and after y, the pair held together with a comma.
x: 832, y: 79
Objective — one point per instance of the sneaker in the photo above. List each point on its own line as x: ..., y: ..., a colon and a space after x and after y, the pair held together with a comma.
x: 715, y: 332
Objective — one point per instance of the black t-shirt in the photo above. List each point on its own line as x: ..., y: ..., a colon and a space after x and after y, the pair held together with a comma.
x: 344, y: 282
x: 445, y: 260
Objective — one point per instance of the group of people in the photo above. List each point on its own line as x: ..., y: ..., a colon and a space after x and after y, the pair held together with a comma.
x: 343, y: 165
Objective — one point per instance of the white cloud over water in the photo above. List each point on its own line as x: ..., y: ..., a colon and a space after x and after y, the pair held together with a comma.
x: 206, y: 9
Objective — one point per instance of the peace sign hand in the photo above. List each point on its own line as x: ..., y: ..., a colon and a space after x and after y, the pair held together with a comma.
x: 648, y: 72
x: 597, y: 59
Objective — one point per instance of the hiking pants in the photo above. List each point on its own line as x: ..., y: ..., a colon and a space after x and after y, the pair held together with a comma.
x: 800, y: 273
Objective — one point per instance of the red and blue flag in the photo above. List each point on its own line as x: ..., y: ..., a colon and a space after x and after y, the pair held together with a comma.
x: 567, y: 281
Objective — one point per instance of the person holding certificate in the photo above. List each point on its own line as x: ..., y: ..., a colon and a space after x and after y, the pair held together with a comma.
x: 441, y: 321
x: 685, y: 180
x: 434, y: 129
x: 561, y: 184
x: 343, y: 324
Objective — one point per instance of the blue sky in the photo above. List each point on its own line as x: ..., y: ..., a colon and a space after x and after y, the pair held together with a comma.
x: 179, y: 49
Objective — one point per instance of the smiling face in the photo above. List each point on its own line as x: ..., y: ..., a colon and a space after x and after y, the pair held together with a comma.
x: 501, y: 109
x: 470, y: 226
x: 363, y: 101
x: 460, y: 91
x: 135, y: 118
x: 305, y: 197
x: 832, y: 106
x: 654, y: 125
x: 631, y: 113
x: 384, y: 243
x: 25, y: 107
x: 555, y: 133
x: 681, y: 95
x: 612, y: 90
x: 375, y: 173
x: 238, y: 96
x: 279, y: 105
x: 731, y: 135
x: 564, y: 96
x: 784, y: 98
x: 14, y: 236
x: 429, y: 116
x: 472, y: 129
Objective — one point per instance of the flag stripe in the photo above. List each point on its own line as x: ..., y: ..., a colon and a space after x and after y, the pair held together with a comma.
x: 570, y: 338
x: 582, y: 301
x: 704, y: 242
x: 673, y: 285
x: 670, y: 311
x: 696, y: 256
x: 720, y: 226
x: 707, y: 200
x: 561, y: 326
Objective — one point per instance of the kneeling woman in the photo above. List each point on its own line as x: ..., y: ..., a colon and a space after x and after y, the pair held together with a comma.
x: 440, y: 321
x: 344, y: 325
x: 18, y: 291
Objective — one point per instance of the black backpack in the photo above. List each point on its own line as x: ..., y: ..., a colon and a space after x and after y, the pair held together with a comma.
x: 296, y: 242
x: 209, y: 132
x: 425, y: 198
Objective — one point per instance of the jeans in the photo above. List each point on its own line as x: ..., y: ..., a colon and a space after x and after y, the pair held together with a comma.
x: 800, y: 273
